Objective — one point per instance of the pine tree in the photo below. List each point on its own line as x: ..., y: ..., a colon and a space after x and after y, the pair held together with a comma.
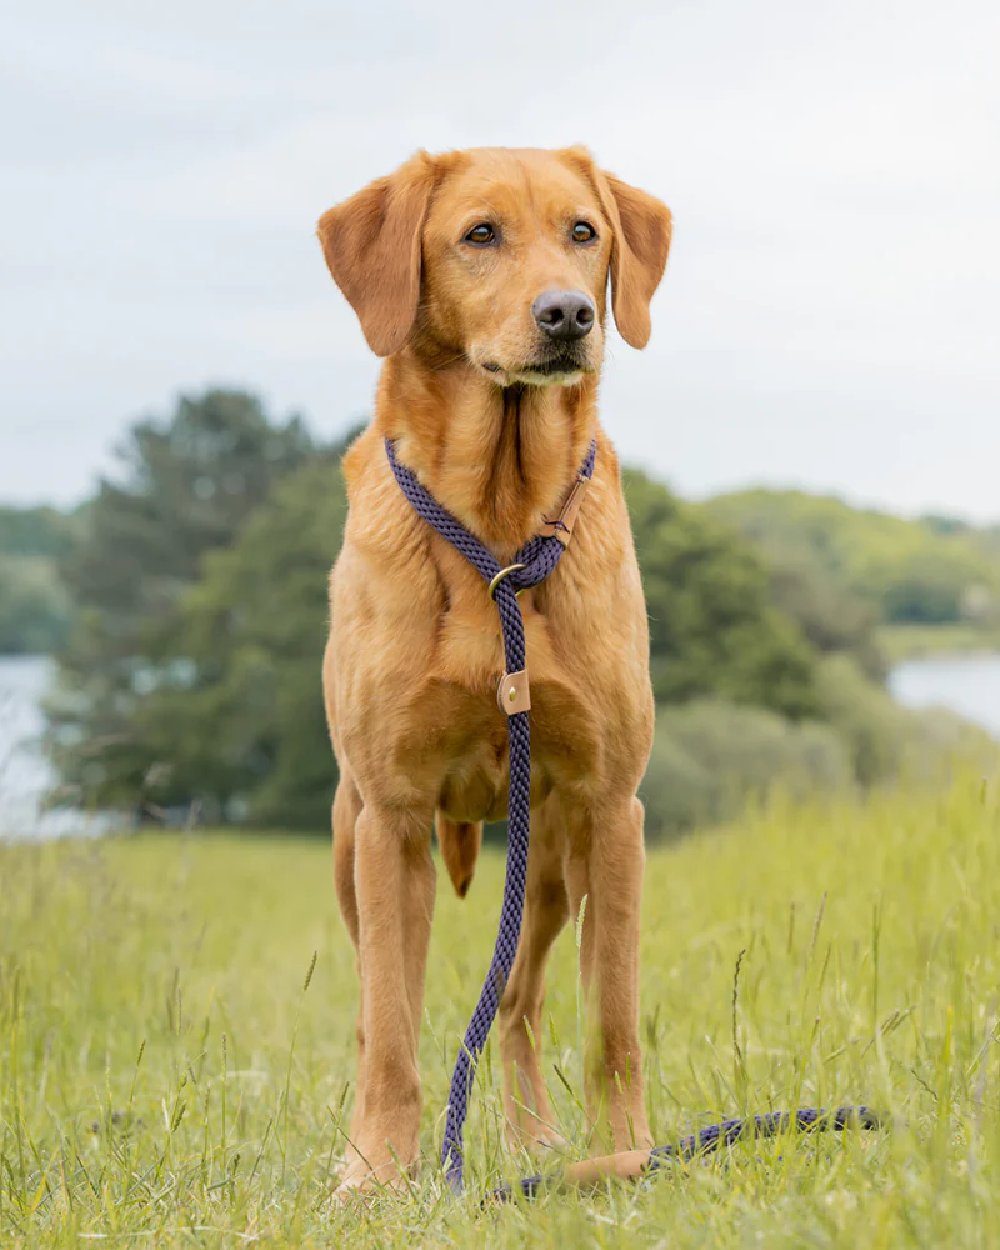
x: 186, y: 486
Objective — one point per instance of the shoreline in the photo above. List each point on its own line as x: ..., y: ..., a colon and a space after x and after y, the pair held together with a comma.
x: 901, y: 644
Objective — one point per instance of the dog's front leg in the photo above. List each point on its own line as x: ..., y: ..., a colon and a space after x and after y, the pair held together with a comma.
x: 394, y: 882
x: 607, y: 867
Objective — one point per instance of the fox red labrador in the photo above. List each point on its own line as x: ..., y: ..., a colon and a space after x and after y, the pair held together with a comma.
x: 481, y: 277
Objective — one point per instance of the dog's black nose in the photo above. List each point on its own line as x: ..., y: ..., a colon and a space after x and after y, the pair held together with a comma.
x: 564, y: 314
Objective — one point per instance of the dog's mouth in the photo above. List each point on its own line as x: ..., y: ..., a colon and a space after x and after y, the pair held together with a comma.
x: 563, y: 369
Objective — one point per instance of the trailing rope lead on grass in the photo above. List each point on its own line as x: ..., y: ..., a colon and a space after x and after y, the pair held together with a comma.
x: 632, y: 1164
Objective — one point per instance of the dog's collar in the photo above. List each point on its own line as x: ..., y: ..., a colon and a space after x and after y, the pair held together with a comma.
x: 451, y: 528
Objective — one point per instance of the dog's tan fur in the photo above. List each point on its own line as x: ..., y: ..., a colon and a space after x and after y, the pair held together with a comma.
x: 414, y: 652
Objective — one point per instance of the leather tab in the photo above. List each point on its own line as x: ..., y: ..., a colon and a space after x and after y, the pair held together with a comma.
x: 561, y: 527
x: 512, y: 693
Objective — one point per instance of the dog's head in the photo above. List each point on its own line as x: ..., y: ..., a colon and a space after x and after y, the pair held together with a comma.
x: 501, y: 257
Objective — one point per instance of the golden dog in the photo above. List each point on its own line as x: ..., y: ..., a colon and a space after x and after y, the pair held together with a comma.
x: 481, y: 276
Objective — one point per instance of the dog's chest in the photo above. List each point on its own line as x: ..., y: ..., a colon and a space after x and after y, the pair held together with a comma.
x: 473, y: 764
x: 464, y: 734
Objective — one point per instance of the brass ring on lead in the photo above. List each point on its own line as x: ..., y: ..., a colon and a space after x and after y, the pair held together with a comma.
x: 511, y: 568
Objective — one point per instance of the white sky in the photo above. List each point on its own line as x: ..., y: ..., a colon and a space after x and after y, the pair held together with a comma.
x: 830, y: 317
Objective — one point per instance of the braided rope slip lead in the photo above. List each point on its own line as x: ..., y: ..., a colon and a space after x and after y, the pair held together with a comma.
x: 531, y: 565
x: 698, y: 1145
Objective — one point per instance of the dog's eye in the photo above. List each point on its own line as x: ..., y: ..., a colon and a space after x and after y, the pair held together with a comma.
x: 481, y: 234
x: 583, y: 232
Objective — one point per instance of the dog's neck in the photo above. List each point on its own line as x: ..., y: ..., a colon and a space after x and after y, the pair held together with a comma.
x: 499, y: 459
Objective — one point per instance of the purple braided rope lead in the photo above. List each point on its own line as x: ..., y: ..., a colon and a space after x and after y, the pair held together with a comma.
x: 539, y: 556
x: 726, y: 1133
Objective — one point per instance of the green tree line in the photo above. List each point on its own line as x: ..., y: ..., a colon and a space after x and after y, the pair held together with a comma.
x: 34, y: 603
x: 196, y: 576
x: 931, y: 571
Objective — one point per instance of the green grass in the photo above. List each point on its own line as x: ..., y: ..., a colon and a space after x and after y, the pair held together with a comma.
x: 166, y: 1079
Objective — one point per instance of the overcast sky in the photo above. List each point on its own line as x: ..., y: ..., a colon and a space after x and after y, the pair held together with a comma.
x: 830, y: 316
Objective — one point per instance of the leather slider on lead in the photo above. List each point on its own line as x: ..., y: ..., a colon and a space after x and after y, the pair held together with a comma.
x: 562, y: 526
x: 512, y: 693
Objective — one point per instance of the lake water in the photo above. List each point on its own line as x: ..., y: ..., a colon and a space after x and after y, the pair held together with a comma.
x: 25, y: 776
x: 967, y: 684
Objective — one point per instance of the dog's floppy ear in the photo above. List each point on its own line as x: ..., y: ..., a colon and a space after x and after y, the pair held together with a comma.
x: 641, y: 225
x: 372, y: 247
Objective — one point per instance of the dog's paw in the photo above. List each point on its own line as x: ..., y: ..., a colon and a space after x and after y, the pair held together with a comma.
x: 360, y: 1181
x: 536, y: 1137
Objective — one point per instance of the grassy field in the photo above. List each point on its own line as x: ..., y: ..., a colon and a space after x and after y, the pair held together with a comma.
x: 167, y: 1079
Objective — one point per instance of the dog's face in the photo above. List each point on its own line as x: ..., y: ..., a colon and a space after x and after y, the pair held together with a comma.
x: 501, y: 258
x: 516, y: 251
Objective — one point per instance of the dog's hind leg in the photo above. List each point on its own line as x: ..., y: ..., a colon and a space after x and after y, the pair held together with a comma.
x: 526, y: 1101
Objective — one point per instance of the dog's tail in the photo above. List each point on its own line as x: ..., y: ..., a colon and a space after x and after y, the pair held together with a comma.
x: 460, y: 841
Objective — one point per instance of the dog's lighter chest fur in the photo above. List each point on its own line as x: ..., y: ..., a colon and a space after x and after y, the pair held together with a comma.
x: 471, y: 769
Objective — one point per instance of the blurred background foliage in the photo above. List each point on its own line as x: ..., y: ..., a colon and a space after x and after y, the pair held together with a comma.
x: 930, y: 571
x: 34, y: 603
x: 185, y: 604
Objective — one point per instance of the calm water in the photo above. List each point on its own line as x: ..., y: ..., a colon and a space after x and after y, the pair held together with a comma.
x: 24, y: 774
x: 969, y: 685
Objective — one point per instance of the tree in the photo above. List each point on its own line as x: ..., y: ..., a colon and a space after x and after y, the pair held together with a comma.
x: 39, y: 531
x: 906, y: 571
x: 713, y: 627
x: 34, y: 611
x: 34, y: 615
x: 240, y: 726
x: 831, y: 617
x: 186, y: 487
